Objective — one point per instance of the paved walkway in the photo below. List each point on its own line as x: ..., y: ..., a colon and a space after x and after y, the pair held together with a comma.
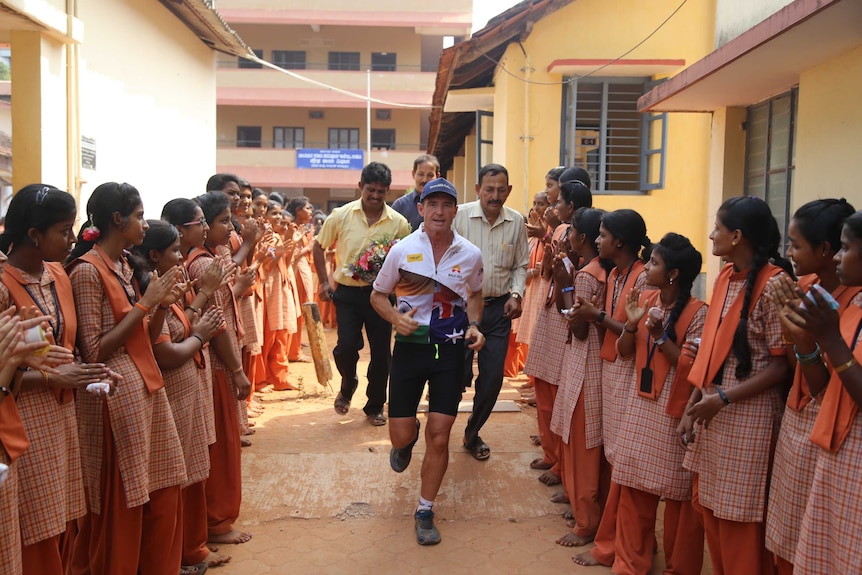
x: 319, y: 497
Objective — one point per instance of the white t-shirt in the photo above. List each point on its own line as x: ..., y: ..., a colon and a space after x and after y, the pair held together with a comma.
x: 438, y: 293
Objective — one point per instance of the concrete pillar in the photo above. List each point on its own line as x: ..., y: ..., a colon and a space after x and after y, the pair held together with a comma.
x: 38, y: 110
x: 726, y: 172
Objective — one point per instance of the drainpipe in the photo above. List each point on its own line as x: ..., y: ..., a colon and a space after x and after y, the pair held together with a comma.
x: 526, y: 138
x: 73, y: 118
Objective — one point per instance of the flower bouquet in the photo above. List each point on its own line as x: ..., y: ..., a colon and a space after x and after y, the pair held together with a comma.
x: 369, y: 262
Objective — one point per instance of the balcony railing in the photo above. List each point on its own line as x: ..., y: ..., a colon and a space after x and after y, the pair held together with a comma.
x: 271, y: 144
x: 236, y: 64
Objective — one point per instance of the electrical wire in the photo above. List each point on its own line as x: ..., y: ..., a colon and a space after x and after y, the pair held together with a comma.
x: 592, y: 72
x: 342, y: 91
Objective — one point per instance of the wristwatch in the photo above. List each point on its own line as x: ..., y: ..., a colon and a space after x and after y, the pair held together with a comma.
x: 516, y: 296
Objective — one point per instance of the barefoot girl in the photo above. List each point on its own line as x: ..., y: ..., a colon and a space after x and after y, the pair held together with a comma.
x: 577, y: 415
x: 623, y: 240
x: 224, y: 486
x: 649, y: 459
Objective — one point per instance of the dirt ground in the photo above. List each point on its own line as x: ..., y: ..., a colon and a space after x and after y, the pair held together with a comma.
x: 319, y: 495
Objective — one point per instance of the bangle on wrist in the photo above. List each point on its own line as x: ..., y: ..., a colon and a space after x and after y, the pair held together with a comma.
x: 722, y: 395
x: 164, y: 307
x: 199, y: 338
x: 193, y: 308
x: 602, y: 315
x: 627, y: 330
x: 844, y: 366
x: 142, y: 307
x: 662, y: 340
x: 568, y: 289
x: 236, y: 371
x: 205, y: 294
x: 808, y: 358
x: 44, y: 377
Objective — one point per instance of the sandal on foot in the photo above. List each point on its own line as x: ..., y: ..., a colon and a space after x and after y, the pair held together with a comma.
x: 198, y: 569
x: 536, y: 440
x: 243, y: 442
x: 342, y: 405
x: 376, y: 419
x: 399, y: 459
x: 479, y: 449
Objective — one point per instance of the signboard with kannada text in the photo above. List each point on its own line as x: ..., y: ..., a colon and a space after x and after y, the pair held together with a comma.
x: 312, y: 158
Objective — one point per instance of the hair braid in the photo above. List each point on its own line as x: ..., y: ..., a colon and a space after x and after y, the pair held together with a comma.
x: 682, y: 300
x: 741, y: 347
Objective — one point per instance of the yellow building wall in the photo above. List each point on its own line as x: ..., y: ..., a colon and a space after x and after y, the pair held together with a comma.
x: 147, y: 96
x: 609, y: 29
x: 317, y: 45
x: 827, y: 132
x: 404, y: 121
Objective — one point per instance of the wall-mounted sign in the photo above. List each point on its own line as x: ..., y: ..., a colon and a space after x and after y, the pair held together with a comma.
x: 88, y: 153
x: 310, y: 158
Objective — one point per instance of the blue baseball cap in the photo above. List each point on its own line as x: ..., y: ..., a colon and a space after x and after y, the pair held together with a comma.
x: 437, y: 186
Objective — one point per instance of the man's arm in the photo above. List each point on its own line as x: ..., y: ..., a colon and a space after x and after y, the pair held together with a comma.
x: 403, y: 323
x: 322, y: 275
x: 475, y: 307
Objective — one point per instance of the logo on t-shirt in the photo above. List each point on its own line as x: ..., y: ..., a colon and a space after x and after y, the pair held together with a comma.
x: 414, y: 258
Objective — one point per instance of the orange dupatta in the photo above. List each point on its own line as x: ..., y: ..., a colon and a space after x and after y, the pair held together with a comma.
x: 15, y: 283
x: 717, y: 339
x: 680, y: 389
x: 137, y: 343
x: 800, y: 395
x: 618, y: 311
x: 838, y: 409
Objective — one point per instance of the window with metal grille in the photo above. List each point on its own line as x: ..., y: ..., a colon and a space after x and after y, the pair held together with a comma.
x: 283, y: 137
x: 383, y: 61
x: 289, y: 59
x: 770, y: 154
x: 484, y: 138
x: 622, y: 149
x: 343, y: 138
x: 383, y: 139
x: 246, y: 63
x: 344, y: 60
x: 248, y: 136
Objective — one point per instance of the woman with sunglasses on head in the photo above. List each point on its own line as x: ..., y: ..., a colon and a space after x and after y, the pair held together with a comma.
x: 229, y: 381
x: 814, y: 237
x: 131, y: 453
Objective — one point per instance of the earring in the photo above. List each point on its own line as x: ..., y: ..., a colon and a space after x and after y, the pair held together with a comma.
x: 36, y: 243
x: 619, y: 245
x: 671, y: 281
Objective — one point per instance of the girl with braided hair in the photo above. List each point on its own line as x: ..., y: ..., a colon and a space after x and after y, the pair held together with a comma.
x: 814, y: 237
x: 649, y: 461
x: 735, y: 407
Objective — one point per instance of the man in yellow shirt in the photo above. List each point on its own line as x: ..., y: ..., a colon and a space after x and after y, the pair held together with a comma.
x: 354, y: 228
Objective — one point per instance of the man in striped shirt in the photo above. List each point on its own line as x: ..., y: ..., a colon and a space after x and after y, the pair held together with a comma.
x: 500, y: 233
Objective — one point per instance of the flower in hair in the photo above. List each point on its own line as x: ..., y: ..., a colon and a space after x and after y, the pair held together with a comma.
x: 91, y: 233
